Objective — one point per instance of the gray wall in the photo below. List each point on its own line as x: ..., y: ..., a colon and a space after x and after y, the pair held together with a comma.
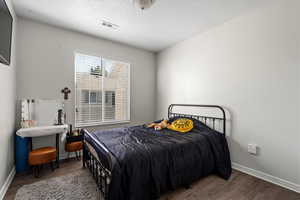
x: 46, y: 57
x: 7, y: 107
x: 251, y: 66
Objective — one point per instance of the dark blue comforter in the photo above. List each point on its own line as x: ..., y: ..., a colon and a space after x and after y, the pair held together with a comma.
x: 148, y: 163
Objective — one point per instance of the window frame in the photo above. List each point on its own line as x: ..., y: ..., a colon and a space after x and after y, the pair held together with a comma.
x: 113, y: 122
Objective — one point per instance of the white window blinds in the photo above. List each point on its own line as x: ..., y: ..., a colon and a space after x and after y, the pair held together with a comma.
x: 102, y: 91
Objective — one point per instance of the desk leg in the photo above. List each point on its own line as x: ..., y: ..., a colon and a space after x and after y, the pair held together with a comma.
x: 57, y: 150
x: 31, y: 169
x: 30, y: 144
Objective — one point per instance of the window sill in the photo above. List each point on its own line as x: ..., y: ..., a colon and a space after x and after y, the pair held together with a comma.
x: 101, y: 124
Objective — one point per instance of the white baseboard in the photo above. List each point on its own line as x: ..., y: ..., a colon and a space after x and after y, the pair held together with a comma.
x: 267, y: 177
x: 7, y: 182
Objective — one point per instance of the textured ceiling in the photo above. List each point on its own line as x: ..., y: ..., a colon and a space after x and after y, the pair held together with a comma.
x: 166, y: 23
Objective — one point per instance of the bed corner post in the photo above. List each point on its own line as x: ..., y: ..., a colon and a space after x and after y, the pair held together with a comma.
x: 83, y: 156
x: 224, y: 120
x: 83, y: 149
x: 170, y: 110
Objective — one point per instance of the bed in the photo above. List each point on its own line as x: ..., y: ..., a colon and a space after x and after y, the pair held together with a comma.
x: 138, y: 162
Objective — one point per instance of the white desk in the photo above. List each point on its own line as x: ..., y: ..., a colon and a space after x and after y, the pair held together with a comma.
x: 41, y: 131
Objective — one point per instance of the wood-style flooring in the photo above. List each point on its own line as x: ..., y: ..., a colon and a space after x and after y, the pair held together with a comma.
x: 239, y: 187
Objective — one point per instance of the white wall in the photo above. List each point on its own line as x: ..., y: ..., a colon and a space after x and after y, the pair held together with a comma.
x: 46, y: 57
x: 7, y: 108
x: 249, y: 65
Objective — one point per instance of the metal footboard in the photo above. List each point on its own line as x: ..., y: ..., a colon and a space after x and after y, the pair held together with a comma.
x: 100, y: 173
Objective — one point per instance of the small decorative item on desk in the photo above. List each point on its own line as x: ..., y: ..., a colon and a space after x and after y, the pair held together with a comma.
x: 60, y: 119
x: 74, y: 142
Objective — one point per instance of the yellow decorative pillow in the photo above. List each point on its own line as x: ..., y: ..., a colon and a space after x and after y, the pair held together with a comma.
x: 182, y: 125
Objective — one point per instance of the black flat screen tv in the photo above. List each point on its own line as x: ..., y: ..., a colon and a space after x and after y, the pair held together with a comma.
x: 6, y: 22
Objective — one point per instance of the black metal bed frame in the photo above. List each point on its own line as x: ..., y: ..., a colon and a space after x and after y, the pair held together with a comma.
x: 101, y: 167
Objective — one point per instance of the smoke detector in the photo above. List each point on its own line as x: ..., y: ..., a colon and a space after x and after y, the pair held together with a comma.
x: 143, y: 4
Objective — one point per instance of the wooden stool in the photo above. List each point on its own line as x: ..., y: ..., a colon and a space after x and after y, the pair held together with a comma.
x: 74, y: 147
x: 41, y: 156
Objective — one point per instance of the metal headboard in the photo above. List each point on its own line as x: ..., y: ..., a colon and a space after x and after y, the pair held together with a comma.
x: 202, y: 118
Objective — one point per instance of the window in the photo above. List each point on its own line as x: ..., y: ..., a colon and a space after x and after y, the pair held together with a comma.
x: 110, y: 98
x: 92, y: 97
x: 102, y: 91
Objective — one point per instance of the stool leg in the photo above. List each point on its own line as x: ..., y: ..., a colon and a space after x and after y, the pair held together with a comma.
x: 52, y: 166
x: 39, y: 167
x: 76, y: 155
x: 36, y: 171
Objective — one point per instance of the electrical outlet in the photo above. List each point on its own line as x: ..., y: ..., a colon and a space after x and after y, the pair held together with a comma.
x: 252, y: 149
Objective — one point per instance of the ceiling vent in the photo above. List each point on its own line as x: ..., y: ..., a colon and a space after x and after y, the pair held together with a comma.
x: 108, y: 24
